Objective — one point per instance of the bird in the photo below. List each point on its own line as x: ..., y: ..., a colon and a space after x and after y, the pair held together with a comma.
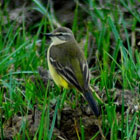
x: 68, y: 66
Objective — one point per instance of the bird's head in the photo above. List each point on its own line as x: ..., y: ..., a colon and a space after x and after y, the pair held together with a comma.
x: 61, y: 35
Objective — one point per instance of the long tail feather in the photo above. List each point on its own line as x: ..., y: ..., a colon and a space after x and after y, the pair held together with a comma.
x: 92, y: 103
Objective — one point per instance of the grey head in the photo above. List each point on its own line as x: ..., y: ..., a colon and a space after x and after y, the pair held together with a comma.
x: 60, y: 35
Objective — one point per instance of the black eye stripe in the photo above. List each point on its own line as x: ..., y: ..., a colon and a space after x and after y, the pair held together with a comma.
x: 59, y: 34
x: 62, y: 34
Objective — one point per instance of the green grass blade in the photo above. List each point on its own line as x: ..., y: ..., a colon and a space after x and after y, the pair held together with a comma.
x: 54, y: 118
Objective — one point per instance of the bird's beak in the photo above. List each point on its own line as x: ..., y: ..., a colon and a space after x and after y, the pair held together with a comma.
x: 49, y: 34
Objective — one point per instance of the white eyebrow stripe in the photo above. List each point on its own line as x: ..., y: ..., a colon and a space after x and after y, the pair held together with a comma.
x: 61, y: 33
x: 66, y: 33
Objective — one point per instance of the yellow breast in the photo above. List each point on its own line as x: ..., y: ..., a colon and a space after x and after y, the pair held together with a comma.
x: 58, y: 79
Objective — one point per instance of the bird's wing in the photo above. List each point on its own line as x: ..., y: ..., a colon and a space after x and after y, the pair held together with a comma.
x: 69, y: 65
x: 66, y: 72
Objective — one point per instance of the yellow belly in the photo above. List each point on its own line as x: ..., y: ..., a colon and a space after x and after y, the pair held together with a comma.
x: 58, y: 79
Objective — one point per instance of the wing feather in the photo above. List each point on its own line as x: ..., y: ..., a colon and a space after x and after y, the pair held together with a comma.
x: 85, y: 71
x: 66, y: 72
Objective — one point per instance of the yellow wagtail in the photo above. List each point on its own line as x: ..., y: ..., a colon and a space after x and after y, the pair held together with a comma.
x: 67, y: 64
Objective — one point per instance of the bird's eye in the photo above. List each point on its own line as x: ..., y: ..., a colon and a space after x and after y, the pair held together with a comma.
x: 60, y: 34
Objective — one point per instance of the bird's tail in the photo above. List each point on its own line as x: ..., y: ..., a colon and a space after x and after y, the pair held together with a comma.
x: 92, y: 102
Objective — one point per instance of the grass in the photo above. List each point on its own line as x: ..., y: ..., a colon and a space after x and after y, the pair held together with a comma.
x: 117, y: 62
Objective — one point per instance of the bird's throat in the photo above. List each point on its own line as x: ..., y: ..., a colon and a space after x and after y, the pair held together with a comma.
x: 57, y: 41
